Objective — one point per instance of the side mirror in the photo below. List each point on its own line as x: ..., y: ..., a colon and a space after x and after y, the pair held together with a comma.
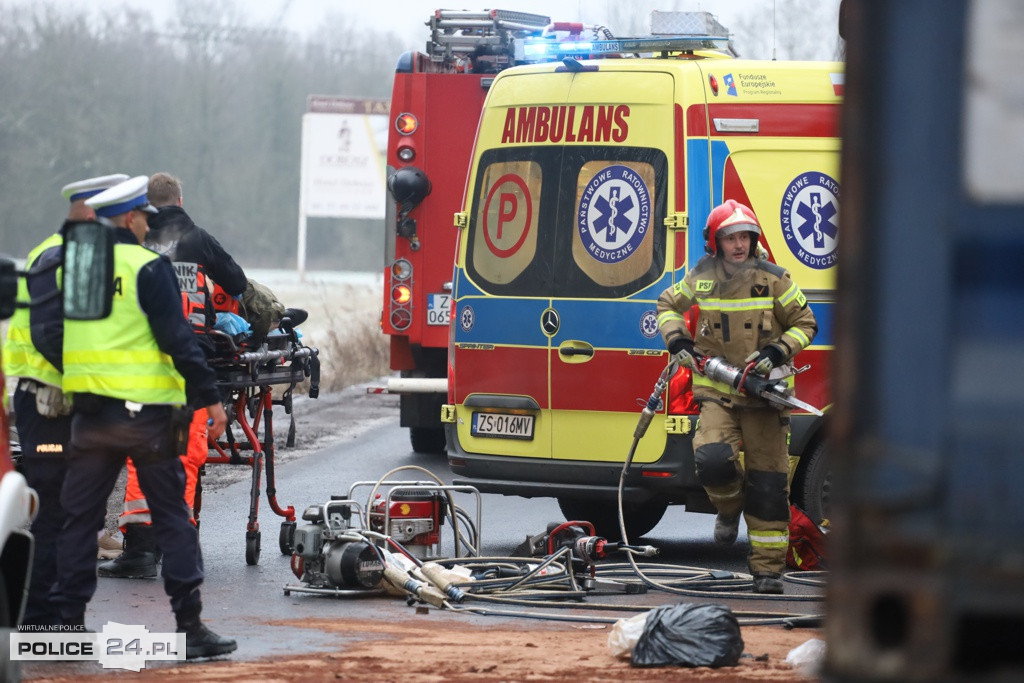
x: 8, y: 288
x: 88, y: 271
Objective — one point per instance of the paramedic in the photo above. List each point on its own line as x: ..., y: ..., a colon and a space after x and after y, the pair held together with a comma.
x: 196, y: 256
x: 751, y: 314
x: 42, y: 412
x: 130, y: 374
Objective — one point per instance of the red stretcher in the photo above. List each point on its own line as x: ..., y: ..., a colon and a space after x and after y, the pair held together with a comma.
x: 247, y: 373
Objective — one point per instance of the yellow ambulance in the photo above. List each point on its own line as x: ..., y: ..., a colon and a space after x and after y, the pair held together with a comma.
x: 591, y: 179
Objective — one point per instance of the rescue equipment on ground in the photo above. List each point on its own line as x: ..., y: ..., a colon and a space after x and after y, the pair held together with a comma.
x: 347, y: 548
x: 806, y: 542
x: 411, y: 516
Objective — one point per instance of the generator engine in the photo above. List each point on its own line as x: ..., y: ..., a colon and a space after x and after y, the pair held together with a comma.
x: 328, y: 555
x: 414, y: 518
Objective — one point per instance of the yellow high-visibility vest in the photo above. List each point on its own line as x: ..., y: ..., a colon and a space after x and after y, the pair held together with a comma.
x: 20, y: 356
x: 118, y: 356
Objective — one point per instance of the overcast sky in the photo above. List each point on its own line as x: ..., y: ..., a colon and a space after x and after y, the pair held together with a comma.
x: 406, y: 18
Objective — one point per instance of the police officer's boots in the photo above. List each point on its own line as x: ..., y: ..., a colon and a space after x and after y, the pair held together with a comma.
x: 199, y: 640
x: 138, y: 561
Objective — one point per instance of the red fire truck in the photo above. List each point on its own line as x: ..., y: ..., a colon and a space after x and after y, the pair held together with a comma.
x: 435, y: 108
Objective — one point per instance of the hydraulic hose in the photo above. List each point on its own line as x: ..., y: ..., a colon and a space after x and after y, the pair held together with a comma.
x: 654, y: 404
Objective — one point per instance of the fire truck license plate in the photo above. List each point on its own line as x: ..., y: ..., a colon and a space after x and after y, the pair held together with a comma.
x: 439, y: 309
x: 502, y: 425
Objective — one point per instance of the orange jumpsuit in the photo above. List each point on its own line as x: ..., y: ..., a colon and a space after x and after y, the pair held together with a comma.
x: 136, y: 510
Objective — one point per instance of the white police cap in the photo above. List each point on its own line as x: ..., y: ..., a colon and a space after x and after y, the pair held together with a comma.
x: 122, y: 198
x: 84, y: 189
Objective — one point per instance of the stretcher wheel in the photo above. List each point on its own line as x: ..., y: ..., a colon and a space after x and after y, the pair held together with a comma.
x: 287, y: 538
x: 252, y: 547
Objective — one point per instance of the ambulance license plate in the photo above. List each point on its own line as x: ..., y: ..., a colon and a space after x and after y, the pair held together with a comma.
x: 502, y: 425
x: 439, y: 309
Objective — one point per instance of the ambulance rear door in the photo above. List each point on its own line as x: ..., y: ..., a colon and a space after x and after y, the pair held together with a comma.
x: 606, y: 351
x: 500, y: 351
x: 555, y: 335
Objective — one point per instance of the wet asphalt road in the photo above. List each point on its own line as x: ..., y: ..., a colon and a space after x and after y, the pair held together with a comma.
x: 242, y: 601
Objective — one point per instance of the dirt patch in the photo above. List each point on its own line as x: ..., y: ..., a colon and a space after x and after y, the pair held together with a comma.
x: 446, y: 650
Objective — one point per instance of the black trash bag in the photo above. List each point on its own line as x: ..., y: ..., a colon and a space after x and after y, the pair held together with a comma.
x: 689, y: 635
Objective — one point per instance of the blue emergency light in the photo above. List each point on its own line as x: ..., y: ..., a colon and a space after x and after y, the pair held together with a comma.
x: 533, y: 50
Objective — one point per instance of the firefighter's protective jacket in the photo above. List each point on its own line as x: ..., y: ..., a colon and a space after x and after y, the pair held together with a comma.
x: 738, y: 315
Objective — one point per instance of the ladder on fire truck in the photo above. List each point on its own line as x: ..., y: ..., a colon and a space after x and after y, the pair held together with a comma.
x: 492, y: 40
x: 486, y: 38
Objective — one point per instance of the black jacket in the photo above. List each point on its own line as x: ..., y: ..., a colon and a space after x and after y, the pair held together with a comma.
x: 173, y: 234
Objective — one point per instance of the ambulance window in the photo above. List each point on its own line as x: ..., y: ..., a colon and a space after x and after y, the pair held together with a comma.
x: 503, y: 239
x: 617, y: 215
x: 568, y: 221
x: 613, y: 239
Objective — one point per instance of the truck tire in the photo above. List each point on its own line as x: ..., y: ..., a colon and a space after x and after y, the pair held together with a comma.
x: 427, y: 439
x: 815, y: 487
x: 640, y: 518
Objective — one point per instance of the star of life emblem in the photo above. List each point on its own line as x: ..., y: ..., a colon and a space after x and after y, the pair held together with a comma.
x: 809, y: 216
x: 614, y: 214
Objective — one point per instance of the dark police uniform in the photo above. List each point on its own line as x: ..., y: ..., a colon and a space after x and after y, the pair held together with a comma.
x: 33, y: 354
x: 129, y: 374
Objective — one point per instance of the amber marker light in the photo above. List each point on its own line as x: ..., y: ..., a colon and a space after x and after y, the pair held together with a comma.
x: 401, y: 294
x: 406, y: 124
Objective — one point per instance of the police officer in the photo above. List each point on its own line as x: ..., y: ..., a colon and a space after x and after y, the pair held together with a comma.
x: 750, y: 314
x: 199, y: 256
x: 42, y: 413
x: 130, y: 374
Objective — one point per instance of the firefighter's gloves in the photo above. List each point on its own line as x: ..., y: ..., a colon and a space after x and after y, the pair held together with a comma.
x: 682, y: 352
x: 765, y: 360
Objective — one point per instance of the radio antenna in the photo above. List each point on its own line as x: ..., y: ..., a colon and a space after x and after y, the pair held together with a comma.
x: 773, y: 30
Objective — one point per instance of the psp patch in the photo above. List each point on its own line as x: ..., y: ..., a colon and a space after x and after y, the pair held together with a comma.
x: 614, y: 214
x: 810, y: 219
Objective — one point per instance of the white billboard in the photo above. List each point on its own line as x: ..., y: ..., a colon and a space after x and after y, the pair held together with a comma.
x: 344, y: 160
x: 344, y: 143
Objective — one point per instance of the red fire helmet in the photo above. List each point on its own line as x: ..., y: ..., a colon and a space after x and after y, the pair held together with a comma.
x: 728, y: 217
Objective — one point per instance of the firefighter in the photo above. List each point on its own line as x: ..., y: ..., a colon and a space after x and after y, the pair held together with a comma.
x: 750, y: 314
x: 42, y: 412
x: 196, y: 255
x: 130, y: 374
